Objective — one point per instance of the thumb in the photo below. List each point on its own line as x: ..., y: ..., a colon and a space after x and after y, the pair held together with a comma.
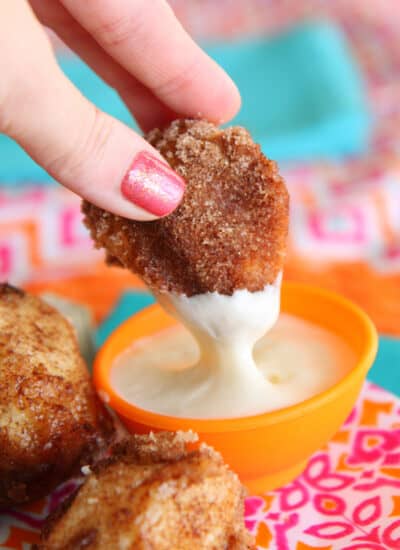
x: 86, y: 150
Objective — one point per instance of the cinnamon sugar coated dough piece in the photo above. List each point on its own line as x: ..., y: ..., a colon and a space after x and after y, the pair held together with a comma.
x: 49, y: 414
x: 228, y: 233
x: 154, y: 494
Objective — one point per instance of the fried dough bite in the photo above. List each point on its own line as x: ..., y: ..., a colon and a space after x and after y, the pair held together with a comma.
x: 228, y: 233
x: 152, y: 494
x: 49, y: 414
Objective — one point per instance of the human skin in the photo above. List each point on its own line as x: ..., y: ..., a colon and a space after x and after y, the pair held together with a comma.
x: 139, y: 48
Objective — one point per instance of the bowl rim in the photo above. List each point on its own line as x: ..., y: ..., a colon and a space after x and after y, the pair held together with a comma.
x: 102, y: 367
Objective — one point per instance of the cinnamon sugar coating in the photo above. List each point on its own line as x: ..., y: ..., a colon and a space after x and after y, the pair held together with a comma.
x: 228, y: 233
x: 49, y: 414
x: 153, y: 493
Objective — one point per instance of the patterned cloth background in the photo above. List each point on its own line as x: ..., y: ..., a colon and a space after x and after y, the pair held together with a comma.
x: 345, y: 230
x: 345, y: 235
x: 348, y: 497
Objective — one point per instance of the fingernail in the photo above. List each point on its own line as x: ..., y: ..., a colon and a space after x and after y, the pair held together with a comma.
x: 152, y: 185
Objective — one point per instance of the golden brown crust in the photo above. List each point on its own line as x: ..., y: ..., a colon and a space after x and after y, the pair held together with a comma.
x: 230, y: 230
x: 49, y: 414
x: 152, y: 448
x: 171, y: 500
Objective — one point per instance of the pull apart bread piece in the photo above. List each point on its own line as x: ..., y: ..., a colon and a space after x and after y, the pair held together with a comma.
x: 228, y: 233
x: 154, y: 494
x: 49, y: 414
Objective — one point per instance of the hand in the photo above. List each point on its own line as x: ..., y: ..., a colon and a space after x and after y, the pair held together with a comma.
x: 139, y: 48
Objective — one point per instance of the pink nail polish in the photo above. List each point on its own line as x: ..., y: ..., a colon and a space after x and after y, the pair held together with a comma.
x: 152, y: 185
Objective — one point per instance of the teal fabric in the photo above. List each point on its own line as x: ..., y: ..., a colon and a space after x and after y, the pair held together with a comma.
x: 128, y: 304
x: 302, y: 93
x: 385, y: 371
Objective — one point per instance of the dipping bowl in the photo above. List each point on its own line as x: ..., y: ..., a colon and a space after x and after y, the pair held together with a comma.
x: 266, y: 450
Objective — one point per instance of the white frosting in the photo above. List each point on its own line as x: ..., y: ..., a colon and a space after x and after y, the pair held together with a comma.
x: 228, y: 320
x: 216, y: 373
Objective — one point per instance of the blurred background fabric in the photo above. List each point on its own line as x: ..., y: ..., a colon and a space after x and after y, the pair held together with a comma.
x: 322, y: 94
x: 345, y: 211
x: 303, y: 95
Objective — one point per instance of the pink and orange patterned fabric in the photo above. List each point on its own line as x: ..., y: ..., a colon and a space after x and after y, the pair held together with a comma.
x: 344, y: 235
x: 348, y: 498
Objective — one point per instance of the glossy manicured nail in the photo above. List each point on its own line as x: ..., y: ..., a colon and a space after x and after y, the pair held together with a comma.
x: 152, y: 185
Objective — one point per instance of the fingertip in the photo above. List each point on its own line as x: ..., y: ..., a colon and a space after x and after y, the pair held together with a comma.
x: 231, y: 103
x: 220, y: 96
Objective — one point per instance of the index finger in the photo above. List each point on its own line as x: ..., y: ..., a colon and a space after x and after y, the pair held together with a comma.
x: 148, y: 41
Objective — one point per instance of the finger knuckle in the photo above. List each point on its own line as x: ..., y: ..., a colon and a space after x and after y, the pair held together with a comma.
x: 89, y: 146
x: 5, y: 118
x: 21, y: 85
x: 117, y: 29
x: 16, y: 92
x: 178, y: 82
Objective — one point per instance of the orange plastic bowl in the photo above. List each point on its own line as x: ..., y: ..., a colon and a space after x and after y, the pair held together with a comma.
x: 266, y: 450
